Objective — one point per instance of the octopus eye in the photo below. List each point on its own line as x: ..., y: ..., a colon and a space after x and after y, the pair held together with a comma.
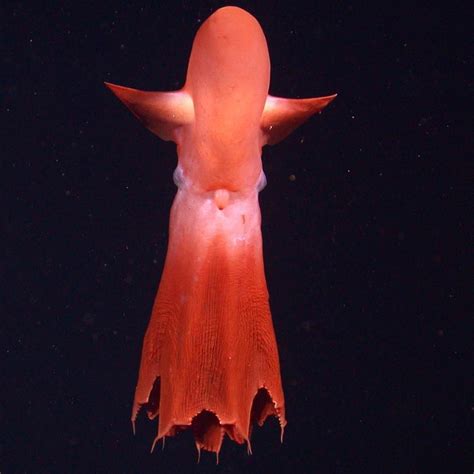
x: 262, y: 181
x: 178, y: 176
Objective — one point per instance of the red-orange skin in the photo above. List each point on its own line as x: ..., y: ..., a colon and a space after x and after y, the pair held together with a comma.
x: 210, y: 359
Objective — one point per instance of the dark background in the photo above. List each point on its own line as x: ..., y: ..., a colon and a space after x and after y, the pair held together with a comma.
x: 366, y: 250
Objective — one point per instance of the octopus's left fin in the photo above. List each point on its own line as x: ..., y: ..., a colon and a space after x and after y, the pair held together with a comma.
x: 164, y: 113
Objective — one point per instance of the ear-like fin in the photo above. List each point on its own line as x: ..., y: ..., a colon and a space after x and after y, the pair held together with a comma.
x: 281, y: 116
x: 161, y: 112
